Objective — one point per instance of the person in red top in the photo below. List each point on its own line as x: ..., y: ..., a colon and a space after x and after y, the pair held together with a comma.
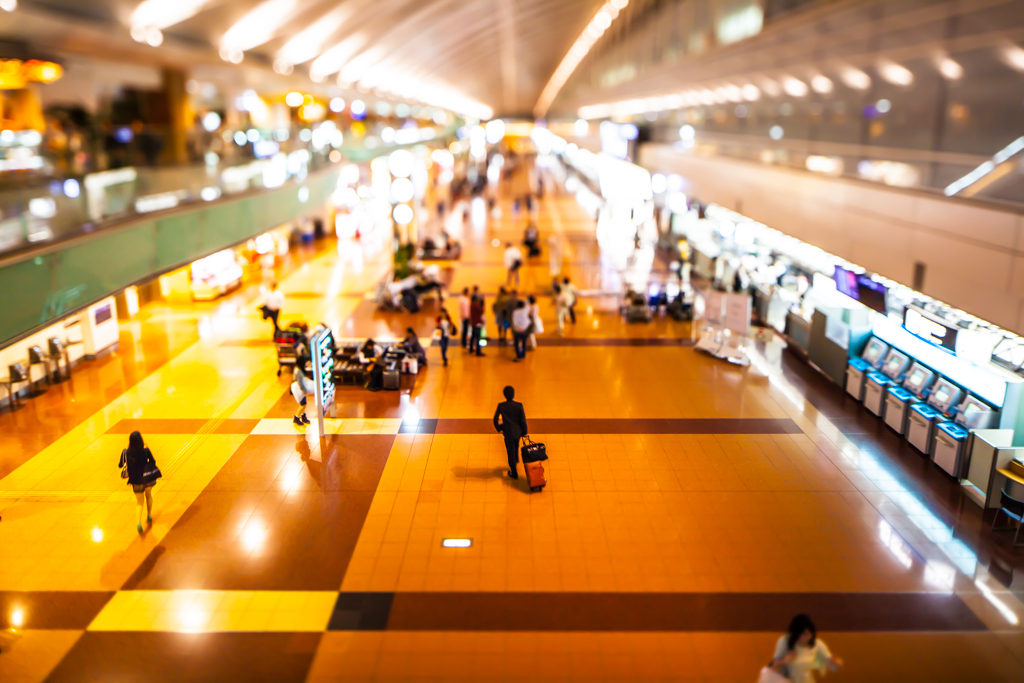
x: 476, y: 319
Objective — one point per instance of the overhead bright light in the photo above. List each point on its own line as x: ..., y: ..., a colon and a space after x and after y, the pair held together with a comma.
x: 401, y: 163
x: 595, y: 29
x: 337, y: 105
x: 258, y: 26
x: 822, y: 84
x: 895, y: 74
x: 211, y: 121
x: 308, y: 43
x: 751, y: 92
x: 1014, y: 57
x: 687, y: 132
x: 855, y: 78
x: 8, y: 5
x: 96, y: 534
x: 402, y: 190
x: 403, y: 214
x: 581, y: 127
x: 294, y: 99
x: 883, y: 106
x: 457, y: 542
x: 950, y: 69
x: 495, y: 131
x: 794, y: 86
x: 776, y: 132
x: 163, y: 13
x: 17, y: 617
x: 358, y: 107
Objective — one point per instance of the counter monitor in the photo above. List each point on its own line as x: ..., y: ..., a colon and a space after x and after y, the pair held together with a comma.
x: 895, y: 364
x: 945, y: 396
x: 976, y: 415
x: 874, y: 351
x: 916, y: 377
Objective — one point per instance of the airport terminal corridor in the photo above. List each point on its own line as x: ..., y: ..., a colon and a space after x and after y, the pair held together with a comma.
x: 692, y: 507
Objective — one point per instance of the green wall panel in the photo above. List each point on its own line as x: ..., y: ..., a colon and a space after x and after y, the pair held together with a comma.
x: 54, y: 282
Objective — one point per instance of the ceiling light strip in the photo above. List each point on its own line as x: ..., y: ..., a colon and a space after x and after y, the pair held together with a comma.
x: 594, y: 30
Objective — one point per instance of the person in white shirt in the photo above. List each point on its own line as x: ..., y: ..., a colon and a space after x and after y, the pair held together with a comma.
x: 573, y: 293
x: 513, y: 261
x: 799, y: 653
x: 273, y: 302
x: 563, y: 306
x: 464, y: 302
x: 521, y: 325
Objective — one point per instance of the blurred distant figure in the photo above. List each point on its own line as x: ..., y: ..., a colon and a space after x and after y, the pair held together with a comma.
x: 573, y: 293
x: 799, y: 653
x: 513, y: 262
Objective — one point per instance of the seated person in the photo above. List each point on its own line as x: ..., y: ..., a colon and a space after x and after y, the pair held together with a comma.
x: 412, y: 347
x: 368, y: 352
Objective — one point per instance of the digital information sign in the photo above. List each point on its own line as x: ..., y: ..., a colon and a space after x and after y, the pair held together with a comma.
x: 323, y: 364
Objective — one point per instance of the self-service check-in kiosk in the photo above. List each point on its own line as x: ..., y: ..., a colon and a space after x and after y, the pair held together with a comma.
x: 899, y: 399
x: 877, y: 383
x: 857, y: 369
x: 923, y: 417
x: 950, y: 443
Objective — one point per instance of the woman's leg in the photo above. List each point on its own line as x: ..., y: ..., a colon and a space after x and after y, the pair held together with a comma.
x: 149, y: 504
x: 444, y: 350
x: 139, y: 500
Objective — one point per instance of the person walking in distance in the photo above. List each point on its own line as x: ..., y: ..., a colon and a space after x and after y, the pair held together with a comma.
x: 536, y: 324
x: 464, y: 303
x: 142, y: 475
x: 574, y: 294
x: 562, y: 307
x: 499, y: 308
x: 476, y: 319
x: 513, y: 262
x: 521, y: 325
x: 273, y: 302
x: 510, y: 422
x: 445, y: 329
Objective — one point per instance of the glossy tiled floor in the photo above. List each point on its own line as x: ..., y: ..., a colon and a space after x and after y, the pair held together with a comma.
x: 692, y: 508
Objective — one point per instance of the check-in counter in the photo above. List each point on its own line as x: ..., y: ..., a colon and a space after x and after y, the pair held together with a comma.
x: 857, y: 369
x: 899, y: 399
x: 878, y: 382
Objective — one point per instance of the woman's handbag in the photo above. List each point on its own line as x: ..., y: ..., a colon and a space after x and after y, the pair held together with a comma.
x: 123, y: 463
x: 150, y: 476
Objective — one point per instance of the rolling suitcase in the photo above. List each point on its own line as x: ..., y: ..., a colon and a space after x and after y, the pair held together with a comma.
x: 535, y: 475
x: 533, y: 454
x: 392, y: 378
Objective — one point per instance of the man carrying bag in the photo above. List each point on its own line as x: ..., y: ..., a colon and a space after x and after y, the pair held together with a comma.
x: 510, y: 421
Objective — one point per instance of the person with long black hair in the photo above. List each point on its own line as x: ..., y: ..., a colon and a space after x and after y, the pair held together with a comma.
x: 799, y: 653
x: 142, y: 474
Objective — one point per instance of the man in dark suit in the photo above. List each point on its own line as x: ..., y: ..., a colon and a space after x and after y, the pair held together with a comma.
x: 512, y: 425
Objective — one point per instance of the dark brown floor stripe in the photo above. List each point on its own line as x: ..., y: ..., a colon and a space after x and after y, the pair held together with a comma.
x: 63, y: 610
x: 740, y: 612
x: 628, y: 426
x: 186, y: 658
x: 182, y: 426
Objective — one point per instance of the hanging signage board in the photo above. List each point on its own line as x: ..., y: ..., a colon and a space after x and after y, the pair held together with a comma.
x: 930, y: 328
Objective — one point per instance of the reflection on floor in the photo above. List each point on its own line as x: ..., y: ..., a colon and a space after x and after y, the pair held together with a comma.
x: 692, y: 508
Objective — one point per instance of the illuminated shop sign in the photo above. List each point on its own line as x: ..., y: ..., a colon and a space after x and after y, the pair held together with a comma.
x: 929, y: 328
x: 16, y: 74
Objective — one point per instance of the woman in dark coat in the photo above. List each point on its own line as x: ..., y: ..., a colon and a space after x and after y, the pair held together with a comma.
x: 139, y: 461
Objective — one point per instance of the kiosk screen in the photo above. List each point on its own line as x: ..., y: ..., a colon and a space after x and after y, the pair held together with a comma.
x: 942, y: 394
x: 970, y: 411
x: 892, y: 366
x: 916, y: 377
x: 873, y: 351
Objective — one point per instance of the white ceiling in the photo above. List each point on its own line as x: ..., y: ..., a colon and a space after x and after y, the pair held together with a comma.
x: 496, y: 52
